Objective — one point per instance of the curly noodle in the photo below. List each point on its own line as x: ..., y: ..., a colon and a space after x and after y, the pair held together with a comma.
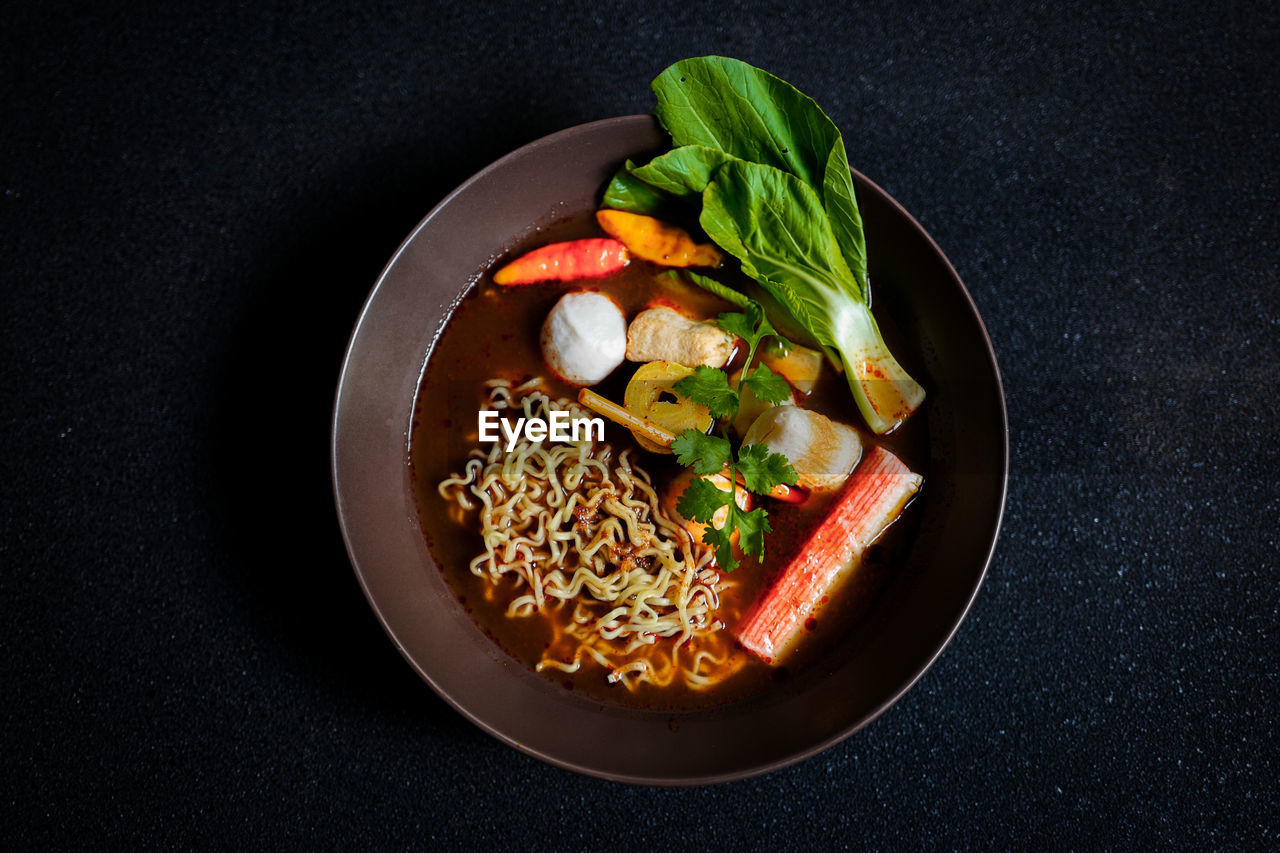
x: 578, y: 531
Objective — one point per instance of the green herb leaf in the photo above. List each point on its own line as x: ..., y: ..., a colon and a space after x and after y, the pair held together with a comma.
x: 702, y: 500
x: 751, y: 527
x: 740, y: 324
x: 710, y: 387
x: 705, y: 454
x: 722, y: 541
x: 762, y: 471
x: 750, y: 324
x: 627, y: 192
x: 766, y: 385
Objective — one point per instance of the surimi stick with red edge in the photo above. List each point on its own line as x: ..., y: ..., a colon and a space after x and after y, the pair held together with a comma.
x: 874, y: 496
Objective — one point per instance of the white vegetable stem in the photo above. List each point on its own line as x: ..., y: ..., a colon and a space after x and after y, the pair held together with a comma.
x: 885, y: 393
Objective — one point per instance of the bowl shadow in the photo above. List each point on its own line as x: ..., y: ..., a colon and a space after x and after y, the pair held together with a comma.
x: 274, y: 401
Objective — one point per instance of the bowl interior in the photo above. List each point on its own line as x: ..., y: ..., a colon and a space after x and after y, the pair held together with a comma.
x: 867, y: 671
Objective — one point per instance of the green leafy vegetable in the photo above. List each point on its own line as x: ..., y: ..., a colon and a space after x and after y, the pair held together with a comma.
x: 760, y: 470
x: 846, y: 219
x: 752, y: 325
x: 725, y: 104
x: 683, y: 172
x: 772, y: 176
x: 775, y: 225
x: 724, y: 291
x: 627, y: 192
x: 777, y: 193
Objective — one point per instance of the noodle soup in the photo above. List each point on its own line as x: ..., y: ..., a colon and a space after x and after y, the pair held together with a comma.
x: 566, y: 554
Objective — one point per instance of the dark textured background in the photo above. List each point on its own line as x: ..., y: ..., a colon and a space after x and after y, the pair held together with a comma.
x: 195, y: 203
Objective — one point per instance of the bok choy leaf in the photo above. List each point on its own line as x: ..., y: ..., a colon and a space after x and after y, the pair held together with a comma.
x: 729, y: 105
x: 772, y: 176
x: 629, y: 193
x: 776, y: 226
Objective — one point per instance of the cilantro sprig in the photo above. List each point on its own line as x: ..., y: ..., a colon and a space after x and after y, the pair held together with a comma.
x: 753, y: 326
x: 703, y: 499
x: 759, y: 470
x: 711, y: 388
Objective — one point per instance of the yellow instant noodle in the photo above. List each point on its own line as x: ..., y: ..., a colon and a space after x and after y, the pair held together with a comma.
x: 575, y: 528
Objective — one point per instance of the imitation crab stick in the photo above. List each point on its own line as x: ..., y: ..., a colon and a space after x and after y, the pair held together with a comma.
x: 874, y: 496
x: 659, y: 435
x: 576, y: 259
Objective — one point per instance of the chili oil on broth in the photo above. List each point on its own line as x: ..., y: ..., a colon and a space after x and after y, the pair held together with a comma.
x: 493, y: 333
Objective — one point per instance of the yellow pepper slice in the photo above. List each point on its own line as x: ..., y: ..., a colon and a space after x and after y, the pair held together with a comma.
x: 657, y: 241
x: 651, y: 394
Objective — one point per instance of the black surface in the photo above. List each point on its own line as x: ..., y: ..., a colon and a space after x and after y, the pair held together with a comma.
x: 195, y: 203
